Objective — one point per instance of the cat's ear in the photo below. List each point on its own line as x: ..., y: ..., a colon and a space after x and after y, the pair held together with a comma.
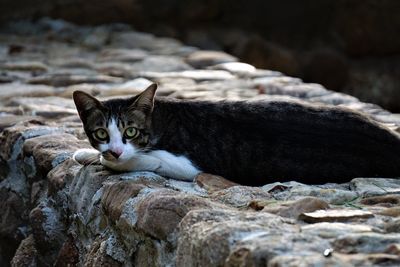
x: 145, y: 100
x: 84, y: 103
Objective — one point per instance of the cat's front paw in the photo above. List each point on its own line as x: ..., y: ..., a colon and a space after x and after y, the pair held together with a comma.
x: 87, y: 156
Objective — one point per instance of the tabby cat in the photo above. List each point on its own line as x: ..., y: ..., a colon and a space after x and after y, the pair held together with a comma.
x: 249, y: 142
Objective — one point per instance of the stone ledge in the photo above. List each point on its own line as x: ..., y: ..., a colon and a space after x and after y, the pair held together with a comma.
x: 55, y: 212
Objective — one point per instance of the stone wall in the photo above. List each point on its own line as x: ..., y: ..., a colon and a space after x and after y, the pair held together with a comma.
x: 58, y: 213
x: 351, y: 46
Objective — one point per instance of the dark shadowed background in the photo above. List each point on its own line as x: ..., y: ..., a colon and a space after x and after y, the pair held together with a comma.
x: 351, y: 46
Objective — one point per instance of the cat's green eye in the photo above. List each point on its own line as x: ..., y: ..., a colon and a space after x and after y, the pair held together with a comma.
x: 101, y: 134
x: 131, y: 132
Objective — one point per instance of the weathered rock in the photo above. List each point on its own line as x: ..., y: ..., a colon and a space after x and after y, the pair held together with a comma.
x: 393, y: 249
x: 50, y: 150
x: 238, y: 68
x: 129, y: 88
x: 365, y: 242
x: 47, y: 230
x: 122, y: 55
x: 372, y: 259
x: 14, y: 89
x: 49, y: 107
x: 61, y: 175
x: 393, y: 212
x: 336, y: 195
x: 334, y: 229
x: 161, y: 64
x: 160, y: 213
x: 140, y: 40
x: 198, y: 75
x: 308, y: 260
x: 202, y: 59
x: 293, y: 210
x: 334, y: 99
x: 68, y: 79
x: 69, y: 254
x: 10, y: 120
x: 239, y: 196
x: 115, y: 196
x: 386, y: 201
x: 26, y: 254
x: 25, y: 66
x: 13, y: 138
x: 212, y: 238
x: 375, y: 186
x: 213, y: 183
x: 97, y: 255
x: 335, y: 215
x: 84, y: 186
x: 14, y: 214
x: 393, y: 226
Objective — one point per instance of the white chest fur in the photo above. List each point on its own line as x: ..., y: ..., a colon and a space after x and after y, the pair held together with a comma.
x: 159, y: 161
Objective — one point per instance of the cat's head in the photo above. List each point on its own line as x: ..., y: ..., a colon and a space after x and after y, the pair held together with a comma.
x: 118, y: 128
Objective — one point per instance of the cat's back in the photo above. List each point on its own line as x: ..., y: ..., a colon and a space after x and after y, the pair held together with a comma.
x: 293, y: 114
x: 250, y: 140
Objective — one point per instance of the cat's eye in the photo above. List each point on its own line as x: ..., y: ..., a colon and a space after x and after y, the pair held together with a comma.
x: 101, y: 134
x: 131, y: 132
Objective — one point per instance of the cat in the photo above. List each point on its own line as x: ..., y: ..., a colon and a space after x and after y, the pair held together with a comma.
x: 249, y: 142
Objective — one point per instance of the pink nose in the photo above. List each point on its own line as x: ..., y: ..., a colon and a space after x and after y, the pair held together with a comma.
x: 116, y: 153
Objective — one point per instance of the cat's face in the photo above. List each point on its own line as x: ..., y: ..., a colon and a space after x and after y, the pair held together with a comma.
x: 118, y: 128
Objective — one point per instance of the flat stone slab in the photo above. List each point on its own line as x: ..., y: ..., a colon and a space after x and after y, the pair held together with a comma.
x: 335, y: 215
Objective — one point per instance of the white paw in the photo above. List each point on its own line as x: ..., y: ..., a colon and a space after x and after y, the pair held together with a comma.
x: 86, y: 156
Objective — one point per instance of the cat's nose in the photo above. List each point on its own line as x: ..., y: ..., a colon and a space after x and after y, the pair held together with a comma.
x: 116, y: 153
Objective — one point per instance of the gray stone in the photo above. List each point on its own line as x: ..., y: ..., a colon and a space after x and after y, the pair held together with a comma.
x: 67, y: 79
x: 238, y: 68
x: 393, y: 226
x: 335, y: 229
x: 213, y: 183
x: 121, y: 55
x: 338, y: 215
x: 375, y: 186
x: 240, y: 239
x: 385, y: 201
x: 293, y: 190
x: 202, y: 59
x: 33, y: 66
x: 296, y: 208
x: 334, y: 99
x: 239, y: 196
x: 140, y: 40
x: 97, y: 38
x: 80, y: 63
x: 10, y: 90
x: 26, y: 254
x: 129, y: 88
x: 198, y: 75
x: 160, y: 213
x: 10, y: 120
x: 50, y: 150
x: 160, y: 64
x: 277, y: 81
x: 365, y: 242
x: 50, y: 107
x: 315, y: 259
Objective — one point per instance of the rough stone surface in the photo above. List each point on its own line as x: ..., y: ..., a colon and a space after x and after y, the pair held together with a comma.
x: 58, y: 213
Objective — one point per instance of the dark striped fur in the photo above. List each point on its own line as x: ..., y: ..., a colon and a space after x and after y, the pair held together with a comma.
x: 255, y: 143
